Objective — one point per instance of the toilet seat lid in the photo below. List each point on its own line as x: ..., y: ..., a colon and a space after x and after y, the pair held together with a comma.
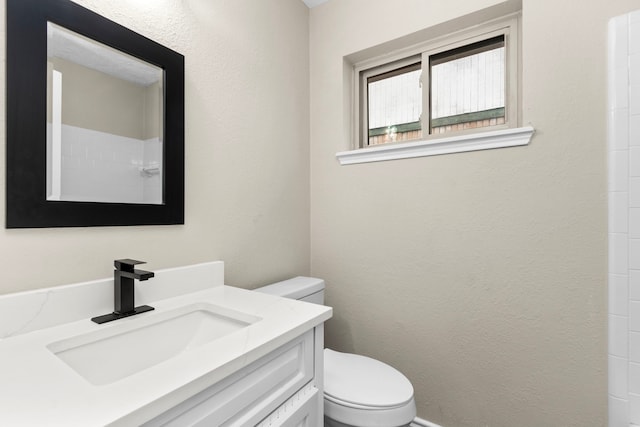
x: 361, y: 381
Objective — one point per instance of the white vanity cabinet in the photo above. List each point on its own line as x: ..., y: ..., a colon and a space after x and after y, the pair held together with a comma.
x: 260, y: 361
x: 283, y: 388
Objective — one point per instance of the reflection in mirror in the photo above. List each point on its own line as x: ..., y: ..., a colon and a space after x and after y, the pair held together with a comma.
x: 104, y: 123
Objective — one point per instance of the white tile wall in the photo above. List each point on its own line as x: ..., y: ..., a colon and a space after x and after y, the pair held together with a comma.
x: 152, y: 191
x: 618, y: 368
x: 102, y: 167
x: 634, y: 285
x: 624, y: 220
x: 619, y: 335
x: 634, y: 254
x: 634, y: 100
x: 634, y: 316
x: 634, y: 345
x: 634, y: 407
x: 619, y: 128
x: 619, y: 295
x: 634, y: 131
x: 633, y: 217
x: 634, y: 159
x: 618, y: 253
x: 618, y: 411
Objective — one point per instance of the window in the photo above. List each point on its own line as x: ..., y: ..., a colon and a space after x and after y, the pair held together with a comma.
x: 468, y: 87
x: 459, y: 84
x: 394, y: 105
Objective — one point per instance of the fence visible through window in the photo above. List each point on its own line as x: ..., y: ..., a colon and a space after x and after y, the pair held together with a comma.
x: 468, y: 87
x: 395, y: 105
x: 467, y: 90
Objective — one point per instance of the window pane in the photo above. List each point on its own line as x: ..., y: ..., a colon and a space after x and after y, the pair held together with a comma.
x: 468, y: 87
x: 394, y: 105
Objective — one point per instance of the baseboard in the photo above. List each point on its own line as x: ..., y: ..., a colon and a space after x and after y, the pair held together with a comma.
x: 419, y: 422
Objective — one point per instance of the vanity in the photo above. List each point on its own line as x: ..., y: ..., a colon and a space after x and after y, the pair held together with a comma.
x: 206, y: 355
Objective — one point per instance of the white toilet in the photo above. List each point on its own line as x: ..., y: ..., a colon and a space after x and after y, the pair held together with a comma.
x: 358, y: 391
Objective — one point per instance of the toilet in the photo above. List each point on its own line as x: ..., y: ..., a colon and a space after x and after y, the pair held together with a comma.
x: 358, y: 391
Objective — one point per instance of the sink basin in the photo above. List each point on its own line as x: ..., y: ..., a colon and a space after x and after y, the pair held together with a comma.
x: 142, y: 341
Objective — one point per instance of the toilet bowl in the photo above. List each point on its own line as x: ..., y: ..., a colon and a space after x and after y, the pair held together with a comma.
x: 358, y: 391
x: 361, y: 391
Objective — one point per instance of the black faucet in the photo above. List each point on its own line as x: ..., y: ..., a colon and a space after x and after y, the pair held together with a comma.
x: 123, y: 279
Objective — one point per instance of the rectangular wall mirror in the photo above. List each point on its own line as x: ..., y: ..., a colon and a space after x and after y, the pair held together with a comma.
x: 111, y: 152
x: 100, y: 140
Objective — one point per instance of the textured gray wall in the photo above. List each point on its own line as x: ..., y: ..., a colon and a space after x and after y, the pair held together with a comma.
x: 483, y: 275
x: 247, y: 153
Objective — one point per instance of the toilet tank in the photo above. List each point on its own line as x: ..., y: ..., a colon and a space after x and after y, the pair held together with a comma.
x: 308, y: 289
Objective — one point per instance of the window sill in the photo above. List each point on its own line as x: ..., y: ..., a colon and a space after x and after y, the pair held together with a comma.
x: 434, y: 147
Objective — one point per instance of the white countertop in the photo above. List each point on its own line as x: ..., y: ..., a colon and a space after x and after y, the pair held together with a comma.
x: 37, y: 388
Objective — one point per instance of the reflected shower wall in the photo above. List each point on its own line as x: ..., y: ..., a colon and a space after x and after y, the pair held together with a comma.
x: 624, y: 220
x: 102, y: 167
x: 104, y: 124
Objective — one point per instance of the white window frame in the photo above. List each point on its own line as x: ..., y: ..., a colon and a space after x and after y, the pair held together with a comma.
x: 498, y: 136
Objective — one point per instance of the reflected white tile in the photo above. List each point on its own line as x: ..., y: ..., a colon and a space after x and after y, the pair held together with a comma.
x: 618, y: 336
x: 634, y: 254
x: 617, y: 41
x: 634, y: 221
x: 634, y: 316
x: 618, y: 412
x: 619, y: 213
x: 634, y: 408
x: 634, y: 377
x: 618, y: 295
x: 621, y: 34
x: 620, y: 98
x: 618, y: 129
x: 634, y: 100
x: 634, y: 37
x: 634, y: 161
x: 634, y: 69
x: 634, y: 346
x: 634, y: 130
x: 618, y: 253
x: 619, y: 172
x: 634, y: 284
x: 618, y: 374
x: 634, y: 192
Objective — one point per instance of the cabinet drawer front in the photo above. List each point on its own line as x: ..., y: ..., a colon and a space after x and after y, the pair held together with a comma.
x: 250, y: 394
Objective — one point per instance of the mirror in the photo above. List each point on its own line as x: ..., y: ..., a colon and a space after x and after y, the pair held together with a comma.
x: 111, y: 152
x: 100, y: 140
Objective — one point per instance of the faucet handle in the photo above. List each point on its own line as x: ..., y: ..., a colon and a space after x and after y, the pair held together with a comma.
x: 127, y: 264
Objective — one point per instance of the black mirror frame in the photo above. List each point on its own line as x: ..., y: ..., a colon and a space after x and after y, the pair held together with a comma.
x: 26, y: 85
